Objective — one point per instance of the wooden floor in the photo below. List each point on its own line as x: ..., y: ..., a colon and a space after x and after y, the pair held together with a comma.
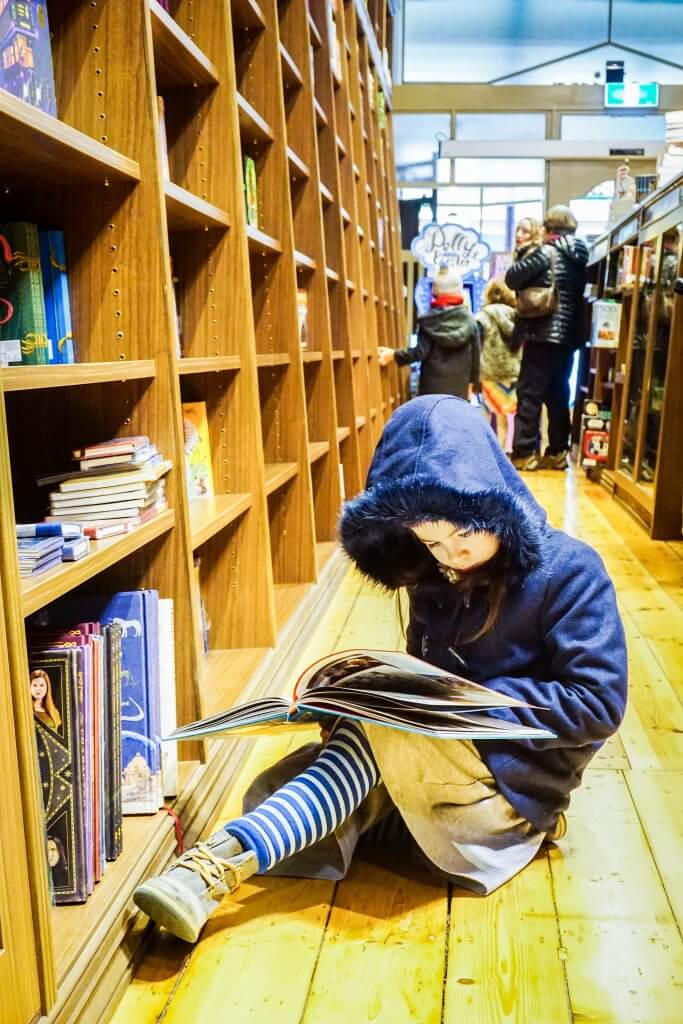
x: 589, y: 932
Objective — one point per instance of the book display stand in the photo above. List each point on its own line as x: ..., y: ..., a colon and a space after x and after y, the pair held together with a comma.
x: 188, y: 288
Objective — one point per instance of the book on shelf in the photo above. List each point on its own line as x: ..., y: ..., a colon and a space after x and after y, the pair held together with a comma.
x: 26, y: 54
x: 56, y: 292
x: 75, y: 685
x: 198, y: 469
x: 69, y: 531
x: 381, y: 110
x: 250, y: 192
x: 334, y: 45
x: 138, y: 458
x: 23, y: 327
x: 605, y: 324
x: 302, y: 316
x: 167, y: 696
x: 114, y: 446
x: 387, y: 688
x: 74, y: 550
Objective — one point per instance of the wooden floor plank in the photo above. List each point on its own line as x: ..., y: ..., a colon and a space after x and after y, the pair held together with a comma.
x: 658, y: 800
x: 503, y: 962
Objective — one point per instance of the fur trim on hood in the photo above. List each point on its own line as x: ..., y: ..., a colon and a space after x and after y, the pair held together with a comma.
x: 438, y: 459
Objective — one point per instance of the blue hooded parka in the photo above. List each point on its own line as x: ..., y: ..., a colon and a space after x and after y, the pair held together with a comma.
x: 558, y: 641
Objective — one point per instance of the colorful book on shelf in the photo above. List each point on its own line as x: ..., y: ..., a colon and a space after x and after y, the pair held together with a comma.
x: 138, y: 518
x: 57, y: 715
x: 74, y: 550
x: 141, y: 457
x: 115, y: 476
x: 387, y: 688
x: 56, y: 291
x: 69, y: 531
x: 112, y: 634
x: 114, y: 446
x: 23, y: 328
x: 250, y: 192
x: 197, y: 450
x: 26, y: 53
x: 141, y: 789
x: 36, y: 553
x: 302, y: 316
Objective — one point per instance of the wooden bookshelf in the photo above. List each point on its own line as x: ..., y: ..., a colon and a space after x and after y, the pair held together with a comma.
x: 175, y: 298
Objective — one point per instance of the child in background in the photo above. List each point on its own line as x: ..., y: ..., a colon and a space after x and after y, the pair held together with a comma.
x: 447, y: 342
x: 499, y: 360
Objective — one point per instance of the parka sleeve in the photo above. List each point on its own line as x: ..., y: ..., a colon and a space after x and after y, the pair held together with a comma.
x: 583, y: 696
x: 526, y: 269
x: 417, y: 354
x: 475, y: 353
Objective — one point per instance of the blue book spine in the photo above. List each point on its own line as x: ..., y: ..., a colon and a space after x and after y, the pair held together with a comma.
x: 57, y: 302
x: 70, y: 531
x: 153, y: 680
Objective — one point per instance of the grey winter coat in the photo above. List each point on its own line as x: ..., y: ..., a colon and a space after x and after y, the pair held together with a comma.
x: 532, y: 268
x: 498, y: 361
x: 448, y: 348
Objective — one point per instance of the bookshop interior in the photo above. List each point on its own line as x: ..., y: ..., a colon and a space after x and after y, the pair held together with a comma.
x: 341, y: 511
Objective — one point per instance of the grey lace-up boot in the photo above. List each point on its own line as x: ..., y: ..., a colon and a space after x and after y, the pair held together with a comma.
x: 185, y: 896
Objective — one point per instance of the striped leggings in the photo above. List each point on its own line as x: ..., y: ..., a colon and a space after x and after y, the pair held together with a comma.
x: 314, y: 803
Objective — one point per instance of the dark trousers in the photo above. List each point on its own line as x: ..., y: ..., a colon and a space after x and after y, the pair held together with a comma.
x: 543, y: 378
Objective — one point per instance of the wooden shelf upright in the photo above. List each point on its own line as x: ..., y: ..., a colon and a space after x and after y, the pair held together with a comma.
x: 176, y: 298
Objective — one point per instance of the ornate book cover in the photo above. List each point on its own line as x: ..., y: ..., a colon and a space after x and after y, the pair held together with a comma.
x: 57, y: 302
x: 250, y: 192
x: 197, y: 450
x: 25, y: 53
x: 23, y: 329
x: 53, y: 687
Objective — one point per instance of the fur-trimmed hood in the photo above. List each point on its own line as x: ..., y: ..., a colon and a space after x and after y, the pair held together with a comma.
x: 438, y: 459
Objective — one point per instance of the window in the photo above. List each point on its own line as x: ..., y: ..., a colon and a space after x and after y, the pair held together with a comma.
x: 416, y: 144
x: 495, y: 127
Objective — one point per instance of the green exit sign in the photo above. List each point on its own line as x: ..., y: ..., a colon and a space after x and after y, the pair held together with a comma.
x: 631, y: 94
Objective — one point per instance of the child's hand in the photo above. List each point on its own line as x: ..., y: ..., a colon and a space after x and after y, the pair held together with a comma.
x: 386, y: 355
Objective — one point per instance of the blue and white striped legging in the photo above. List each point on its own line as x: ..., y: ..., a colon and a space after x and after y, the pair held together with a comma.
x: 314, y: 803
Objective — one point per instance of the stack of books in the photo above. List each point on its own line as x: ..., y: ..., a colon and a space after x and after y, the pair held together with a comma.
x: 118, y: 485
x: 43, y: 545
x: 671, y: 163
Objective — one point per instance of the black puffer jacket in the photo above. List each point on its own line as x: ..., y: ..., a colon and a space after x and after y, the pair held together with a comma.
x: 532, y: 268
x: 448, y: 348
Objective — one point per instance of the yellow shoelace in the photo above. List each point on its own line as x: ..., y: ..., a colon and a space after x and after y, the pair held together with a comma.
x: 209, y: 867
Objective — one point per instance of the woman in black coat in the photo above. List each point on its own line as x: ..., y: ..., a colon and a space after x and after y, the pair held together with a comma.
x: 549, y: 342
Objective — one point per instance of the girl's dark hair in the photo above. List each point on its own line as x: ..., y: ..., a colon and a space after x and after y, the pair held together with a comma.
x: 495, y: 576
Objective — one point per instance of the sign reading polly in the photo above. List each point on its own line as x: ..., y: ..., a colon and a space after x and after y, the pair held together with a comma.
x: 452, y: 244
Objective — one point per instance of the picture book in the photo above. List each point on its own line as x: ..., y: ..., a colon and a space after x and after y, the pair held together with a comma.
x: 605, y: 324
x: 250, y: 192
x: 53, y: 686
x: 379, y: 687
x: 56, y: 291
x: 167, y: 696
x: 197, y: 450
x: 26, y: 54
x: 23, y: 328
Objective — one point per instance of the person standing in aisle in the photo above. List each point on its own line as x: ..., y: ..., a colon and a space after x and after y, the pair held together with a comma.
x: 549, y: 341
x: 500, y: 357
x: 496, y: 594
x: 447, y: 342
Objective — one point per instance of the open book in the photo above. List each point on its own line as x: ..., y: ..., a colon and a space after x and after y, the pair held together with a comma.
x: 380, y: 687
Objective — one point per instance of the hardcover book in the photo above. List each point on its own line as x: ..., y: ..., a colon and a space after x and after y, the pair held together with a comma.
x: 23, y: 328
x: 197, y: 450
x: 57, y: 302
x: 25, y: 53
x: 250, y: 192
x: 381, y: 687
x: 167, y: 695
x: 302, y: 316
x: 56, y: 705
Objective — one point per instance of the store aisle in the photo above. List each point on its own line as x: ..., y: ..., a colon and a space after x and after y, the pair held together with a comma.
x: 589, y: 931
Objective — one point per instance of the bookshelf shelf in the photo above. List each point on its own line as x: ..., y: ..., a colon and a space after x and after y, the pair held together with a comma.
x: 331, y: 275
x: 208, y: 364
x: 316, y: 450
x: 31, y: 378
x: 209, y: 515
x: 41, y: 590
x: 312, y: 357
x: 315, y: 34
x: 290, y: 71
x: 261, y: 243
x: 303, y: 261
x: 360, y: 422
x: 66, y: 155
x: 278, y: 474
x: 355, y: 354
x: 337, y: 354
x: 320, y: 115
x: 177, y: 59
x: 187, y: 212
x: 225, y: 674
x: 247, y: 13
x: 252, y: 124
x: 345, y: 216
x: 340, y: 146
x: 272, y: 359
x: 298, y: 170
x: 343, y: 433
x: 288, y: 597
x: 328, y: 198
